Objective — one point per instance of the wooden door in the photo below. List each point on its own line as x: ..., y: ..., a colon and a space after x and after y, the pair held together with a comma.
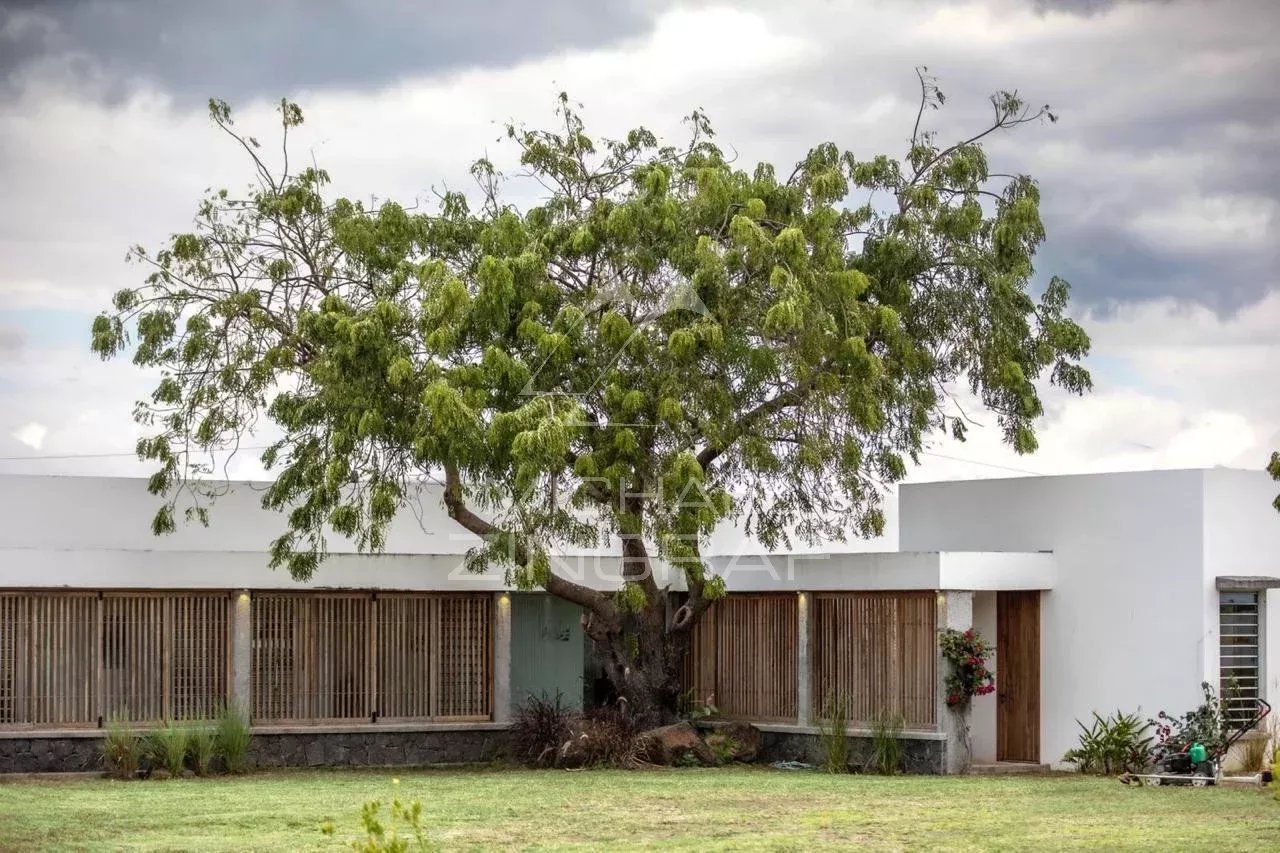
x: 1018, y: 676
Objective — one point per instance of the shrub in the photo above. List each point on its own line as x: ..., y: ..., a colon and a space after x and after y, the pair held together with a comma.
x: 886, y: 743
x: 1118, y: 743
x: 233, y: 738
x: 121, y: 750
x: 202, y: 745
x: 968, y: 674
x: 723, y: 748
x: 693, y: 708
x: 612, y: 732
x: 835, y: 735
x: 1205, y: 724
x: 167, y: 747
x: 401, y: 833
x: 538, y: 728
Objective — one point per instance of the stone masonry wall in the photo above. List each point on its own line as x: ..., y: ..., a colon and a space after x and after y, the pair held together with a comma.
x: 918, y: 755
x: 69, y: 754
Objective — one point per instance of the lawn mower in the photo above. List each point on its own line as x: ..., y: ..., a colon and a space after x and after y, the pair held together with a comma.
x: 1194, y: 764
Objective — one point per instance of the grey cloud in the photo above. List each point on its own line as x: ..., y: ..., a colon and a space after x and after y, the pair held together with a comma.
x: 1163, y: 108
x: 1107, y: 268
x: 244, y: 48
x: 1083, y: 7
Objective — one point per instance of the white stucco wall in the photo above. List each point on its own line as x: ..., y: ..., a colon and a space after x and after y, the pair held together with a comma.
x: 1242, y: 537
x: 95, y: 532
x: 982, y: 736
x: 1123, y: 625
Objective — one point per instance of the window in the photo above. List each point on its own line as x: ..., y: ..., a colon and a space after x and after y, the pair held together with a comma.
x: 1240, y: 662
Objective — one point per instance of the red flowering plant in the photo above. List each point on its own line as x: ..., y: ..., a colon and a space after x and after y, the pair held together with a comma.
x: 969, y: 676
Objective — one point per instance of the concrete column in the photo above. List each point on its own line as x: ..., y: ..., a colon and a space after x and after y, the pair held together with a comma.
x: 804, y: 670
x: 955, y: 610
x: 241, y: 650
x: 502, y: 658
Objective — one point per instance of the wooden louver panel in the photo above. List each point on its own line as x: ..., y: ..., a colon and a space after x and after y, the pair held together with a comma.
x: 164, y: 656
x: 876, y: 652
x: 311, y: 656
x: 78, y: 658
x: 743, y: 657
x: 364, y: 656
x: 57, y: 648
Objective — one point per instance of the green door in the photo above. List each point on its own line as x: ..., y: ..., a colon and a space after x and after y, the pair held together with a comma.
x: 546, y: 649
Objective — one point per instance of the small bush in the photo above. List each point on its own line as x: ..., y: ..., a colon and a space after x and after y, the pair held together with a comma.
x: 723, y: 748
x: 167, y: 747
x: 693, y: 708
x: 233, y: 738
x: 401, y: 833
x: 121, y: 750
x: 1205, y: 724
x: 538, y: 728
x: 611, y: 736
x: 886, y: 744
x: 202, y: 746
x: 835, y: 735
x: 1118, y: 743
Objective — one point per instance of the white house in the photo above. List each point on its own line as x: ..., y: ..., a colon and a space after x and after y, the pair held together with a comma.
x: 1100, y: 592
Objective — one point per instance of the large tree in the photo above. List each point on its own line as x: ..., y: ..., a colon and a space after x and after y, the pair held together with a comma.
x: 662, y: 341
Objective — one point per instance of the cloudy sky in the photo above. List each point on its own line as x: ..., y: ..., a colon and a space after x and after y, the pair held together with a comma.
x: 1161, y: 183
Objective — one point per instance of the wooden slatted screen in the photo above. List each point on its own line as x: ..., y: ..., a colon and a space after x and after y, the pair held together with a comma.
x: 61, y: 679
x: 133, y: 656
x: 311, y: 656
x: 12, y: 613
x: 877, y: 650
x: 743, y: 657
x: 353, y: 655
x: 74, y: 658
x: 164, y: 656
x: 200, y: 663
x: 463, y: 670
x: 407, y: 640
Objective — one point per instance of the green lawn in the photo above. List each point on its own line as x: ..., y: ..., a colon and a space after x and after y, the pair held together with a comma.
x: 688, y: 809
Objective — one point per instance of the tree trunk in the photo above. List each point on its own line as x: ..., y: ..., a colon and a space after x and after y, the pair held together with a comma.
x: 644, y: 661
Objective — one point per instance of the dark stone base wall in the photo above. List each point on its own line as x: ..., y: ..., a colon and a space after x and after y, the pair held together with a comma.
x: 50, y: 755
x: 918, y: 756
x: 373, y: 749
x: 268, y: 750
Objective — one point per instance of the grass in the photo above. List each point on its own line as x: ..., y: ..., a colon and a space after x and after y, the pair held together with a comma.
x: 739, y: 808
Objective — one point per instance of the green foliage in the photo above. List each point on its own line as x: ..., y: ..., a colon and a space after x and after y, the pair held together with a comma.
x: 968, y: 674
x: 886, y: 743
x: 202, y: 746
x: 723, y: 748
x: 688, y: 758
x: 398, y: 832
x: 693, y: 708
x: 166, y: 746
x: 1205, y: 724
x: 661, y: 340
x: 834, y: 727
x: 122, y: 750
x: 232, y: 738
x: 1117, y: 743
